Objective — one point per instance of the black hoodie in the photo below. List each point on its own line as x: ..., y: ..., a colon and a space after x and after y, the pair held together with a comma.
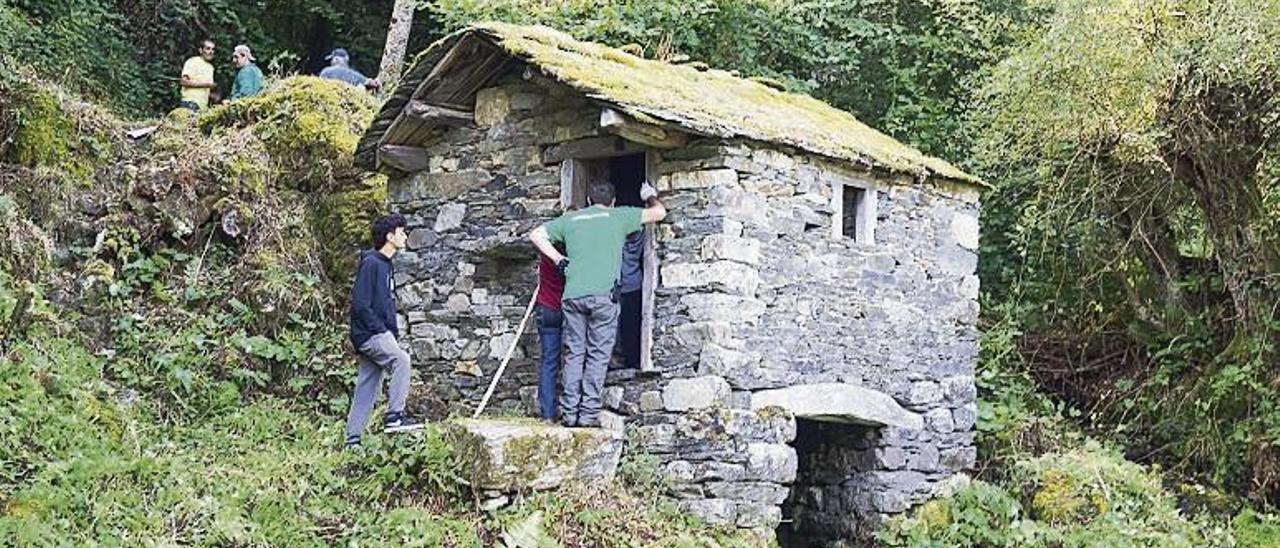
x: 373, y: 301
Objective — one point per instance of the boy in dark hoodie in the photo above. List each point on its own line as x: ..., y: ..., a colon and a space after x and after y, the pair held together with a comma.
x: 374, y: 334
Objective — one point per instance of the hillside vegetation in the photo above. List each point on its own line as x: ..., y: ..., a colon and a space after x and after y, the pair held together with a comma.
x: 174, y: 358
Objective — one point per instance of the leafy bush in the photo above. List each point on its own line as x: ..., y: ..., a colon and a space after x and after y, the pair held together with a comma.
x: 1083, y: 497
x: 979, y: 514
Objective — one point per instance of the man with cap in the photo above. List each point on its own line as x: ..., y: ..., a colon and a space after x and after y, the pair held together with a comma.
x: 196, y: 80
x: 339, y: 69
x: 249, y: 78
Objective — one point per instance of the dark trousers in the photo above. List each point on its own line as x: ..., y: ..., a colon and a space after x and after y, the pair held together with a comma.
x: 590, y: 327
x: 550, y: 322
x: 629, y: 329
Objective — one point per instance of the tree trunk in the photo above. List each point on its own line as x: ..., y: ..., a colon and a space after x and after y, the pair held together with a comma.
x: 1214, y: 148
x: 397, y: 42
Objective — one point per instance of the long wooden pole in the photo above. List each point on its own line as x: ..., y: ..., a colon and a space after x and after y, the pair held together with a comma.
x: 507, y: 358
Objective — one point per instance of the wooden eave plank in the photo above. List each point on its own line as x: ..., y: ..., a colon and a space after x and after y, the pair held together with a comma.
x: 404, y: 158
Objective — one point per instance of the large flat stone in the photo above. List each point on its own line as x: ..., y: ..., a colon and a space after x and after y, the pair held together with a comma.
x: 520, y: 455
x: 839, y: 402
x: 440, y: 186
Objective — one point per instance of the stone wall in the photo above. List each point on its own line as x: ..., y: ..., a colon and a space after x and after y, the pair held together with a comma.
x: 755, y: 293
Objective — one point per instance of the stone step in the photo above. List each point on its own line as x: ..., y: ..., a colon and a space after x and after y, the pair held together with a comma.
x: 515, y: 455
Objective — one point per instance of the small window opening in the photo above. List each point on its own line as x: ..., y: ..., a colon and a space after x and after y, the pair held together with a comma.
x: 853, y: 197
x: 856, y: 210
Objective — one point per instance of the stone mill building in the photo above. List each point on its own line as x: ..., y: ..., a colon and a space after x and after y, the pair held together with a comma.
x: 809, y: 305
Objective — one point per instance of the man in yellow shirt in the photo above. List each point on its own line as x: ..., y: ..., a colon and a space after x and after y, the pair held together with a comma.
x: 197, y: 78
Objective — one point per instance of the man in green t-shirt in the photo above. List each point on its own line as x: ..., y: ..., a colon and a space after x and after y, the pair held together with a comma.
x: 249, y: 77
x: 593, y: 239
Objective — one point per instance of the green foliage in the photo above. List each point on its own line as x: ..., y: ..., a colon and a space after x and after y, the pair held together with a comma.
x: 127, y: 54
x: 1086, y: 496
x: 183, y: 334
x: 82, y: 41
x: 978, y: 514
x: 85, y: 462
x: 1131, y: 228
x: 1015, y: 419
x: 310, y: 126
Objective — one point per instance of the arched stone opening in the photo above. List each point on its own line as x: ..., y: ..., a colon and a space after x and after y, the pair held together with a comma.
x: 828, y: 500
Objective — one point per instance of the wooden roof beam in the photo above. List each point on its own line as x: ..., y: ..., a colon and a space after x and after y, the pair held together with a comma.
x: 438, y: 115
x: 404, y: 158
x: 588, y: 148
x: 628, y: 128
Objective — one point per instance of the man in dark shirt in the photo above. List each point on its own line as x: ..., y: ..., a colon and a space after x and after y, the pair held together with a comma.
x: 374, y: 333
x: 550, y: 318
x: 340, y: 69
x: 630, y: 282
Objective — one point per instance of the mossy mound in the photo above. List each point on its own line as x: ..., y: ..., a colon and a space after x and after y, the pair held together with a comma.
x: 1080, y: 485
x: 42, y: 126
x: 309, y: 125
x: 276, y: 172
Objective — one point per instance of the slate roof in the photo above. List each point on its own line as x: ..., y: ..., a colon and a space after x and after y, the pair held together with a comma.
x: 695, y: 99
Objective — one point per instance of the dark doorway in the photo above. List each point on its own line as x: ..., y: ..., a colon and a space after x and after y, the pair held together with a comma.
x: 638, y: 276
x: 830, y: 456
x: 627, y: 173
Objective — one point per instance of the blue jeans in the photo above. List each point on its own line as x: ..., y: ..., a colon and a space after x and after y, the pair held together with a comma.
x: 550, y: 322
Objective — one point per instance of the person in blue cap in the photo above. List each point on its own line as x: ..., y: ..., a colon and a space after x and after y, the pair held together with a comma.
x: 339, y: 69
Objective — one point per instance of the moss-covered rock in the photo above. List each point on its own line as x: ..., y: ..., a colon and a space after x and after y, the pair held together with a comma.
x: 519, y: 455
x: 42, y: 126
x: 310, y: 126
x: 344, y: 218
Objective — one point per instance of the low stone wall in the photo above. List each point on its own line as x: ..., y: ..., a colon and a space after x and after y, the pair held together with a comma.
x: 755, y: 294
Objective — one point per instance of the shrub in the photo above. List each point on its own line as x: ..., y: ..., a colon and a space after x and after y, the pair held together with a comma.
x: 310, y: 126
x: 979, y: 514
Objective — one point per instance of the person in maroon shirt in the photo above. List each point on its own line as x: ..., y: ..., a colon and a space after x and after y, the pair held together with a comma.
x: 550, y: 289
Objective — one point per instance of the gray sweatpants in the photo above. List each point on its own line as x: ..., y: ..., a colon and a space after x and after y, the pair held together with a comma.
x: 377, y: 354
x: 590, y: 327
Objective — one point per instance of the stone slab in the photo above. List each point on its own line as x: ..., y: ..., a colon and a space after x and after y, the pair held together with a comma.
x: 524, y: 454
x: 839, y: 402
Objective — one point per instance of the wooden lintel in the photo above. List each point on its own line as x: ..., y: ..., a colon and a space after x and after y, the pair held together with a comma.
x: 628, y: 128
x: 404, y: 158
x: 607, y: 146
x: 438, y: 115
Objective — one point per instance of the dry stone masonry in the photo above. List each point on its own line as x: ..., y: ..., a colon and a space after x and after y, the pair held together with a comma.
x: 799, y: 373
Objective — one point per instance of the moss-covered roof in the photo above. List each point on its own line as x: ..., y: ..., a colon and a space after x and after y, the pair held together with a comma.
x: 708, y: 102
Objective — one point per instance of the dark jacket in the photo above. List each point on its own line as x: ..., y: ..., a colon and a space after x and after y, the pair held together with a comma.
x: 373, y: 301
